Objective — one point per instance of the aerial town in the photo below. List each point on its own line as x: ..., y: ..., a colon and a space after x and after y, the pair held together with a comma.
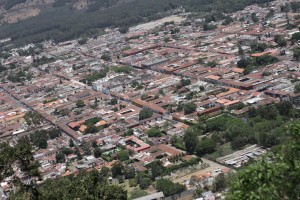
x: 165, y: 99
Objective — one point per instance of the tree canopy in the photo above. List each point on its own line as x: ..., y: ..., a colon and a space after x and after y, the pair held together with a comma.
x: 86, y: 185
x: 275, y: 177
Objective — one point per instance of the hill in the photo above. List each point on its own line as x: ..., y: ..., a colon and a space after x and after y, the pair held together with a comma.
x: 66, y: 19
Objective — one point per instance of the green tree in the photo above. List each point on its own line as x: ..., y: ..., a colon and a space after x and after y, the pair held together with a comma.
x: 280, y: 40
x: 39, y: 139
x: 145, y: 183
x: 129, y: 173
x: 80, y: 104
x: 104, y: 172
x: 117, y: 169
x: 71, y: 143
x: 97, y: 152
x: 123, y: 155
x: 267, y: 180
x: 168, y: 187
x: 191, y: 139
x: 206, y: 146
x: 129, y: 132
x: 157, y: 169
x: 220, y: 183
x: 60, y: 157
x: 145, y: 113
x: 86, y: 185
x: 254, y: 17
x: 154, y: 132
x: 296, y: 53
x: 297, y: 88
x: 189, y: 108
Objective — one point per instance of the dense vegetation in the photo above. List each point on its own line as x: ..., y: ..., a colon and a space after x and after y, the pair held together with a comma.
x: 264, y: 126
x: 275, y: 177
x: 63, y: 23
x: 86, y: 185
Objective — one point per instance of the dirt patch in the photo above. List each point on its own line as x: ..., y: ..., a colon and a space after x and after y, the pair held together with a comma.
x: 15, y: 16
x: 80, y: 4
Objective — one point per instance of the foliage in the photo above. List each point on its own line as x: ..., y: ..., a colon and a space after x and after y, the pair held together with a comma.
x: 122, y: 69
x: 138, y: 193
x: 123, y: 155
x: 64, y: 23
x: 191, y: 139
x: 97, y: 152
x: 129, y: 132
x: 250, y: 64
x: 220, y: 183
x: 60, y: 157
x: 145, y: 113
x: 129, y: 173
x: 168, y: 187
x: 206, y: 146
x: 21, y: 152
x: 154, y: 132
x: 296, y: 53
x: 95, y: 76
x: 280, y: 40
x: 80, y: 104
x: 157, y: 169
x: 297, y: 88
x: 189, y: 108
x: 258, y: 47
x: 145, y: 183
x: 117, y: 170
x: 33, y: 118
x: 275, y: 179
x: 86, y: 185
x: 39, y: 139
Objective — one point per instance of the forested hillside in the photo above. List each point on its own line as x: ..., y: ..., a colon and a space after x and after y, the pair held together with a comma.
x: 62, y: 22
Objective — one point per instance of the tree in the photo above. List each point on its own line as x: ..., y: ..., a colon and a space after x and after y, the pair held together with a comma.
x: 145, y: 113
x: 39, y: 139
x: 145, y: 183
x: 280, y: 40
x: 206, y: 146
x: 189, y: 108
x: 86, y: 185
x: 220, y: 183
x: 91, y: 129
x: 191, y: 139
x: 80, y: 104
x: 157, y: 169
x: 129, y: 132
x: 271, y: 180
x: 295, y: 37
x: 295, y: 6
x: 123, y: 155
x: 104, y: 172
x: 254, y: 18
x: 66, y: 151
x: 168, y: 187
x: 154, y: 132
x: 129, y: 173
x: 71, y: 143
x: 54, y: 133
x: 60, y: 157
x: 117, y: 169
x: 97, y: 152
x: 113, y: 101
x: 297, y: 88
x: 296, y: 54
